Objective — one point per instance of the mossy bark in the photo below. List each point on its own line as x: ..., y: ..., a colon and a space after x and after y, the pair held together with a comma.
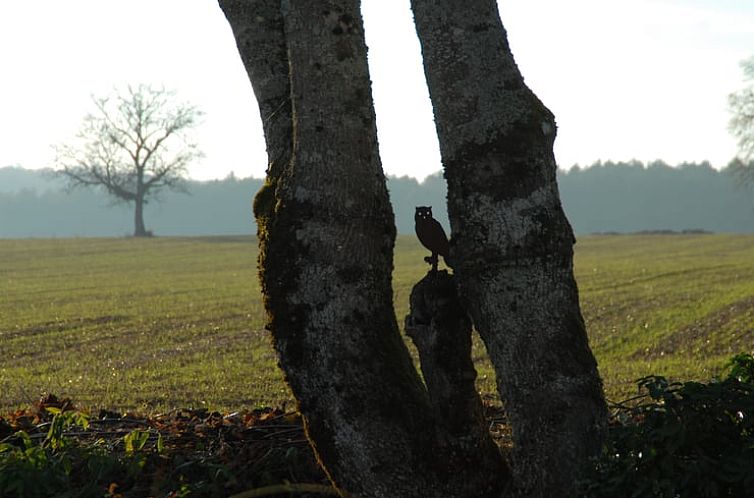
x: 326, y: 234
x: 511, y: 243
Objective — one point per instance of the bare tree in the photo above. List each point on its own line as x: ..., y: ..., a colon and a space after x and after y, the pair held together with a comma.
x: 134, y: 145
x: 326, y: 235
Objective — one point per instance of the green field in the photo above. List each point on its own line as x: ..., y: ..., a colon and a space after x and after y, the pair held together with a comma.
x: 152, y: 324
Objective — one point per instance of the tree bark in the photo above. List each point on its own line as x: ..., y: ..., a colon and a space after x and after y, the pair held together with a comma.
x: 511, y: 245
x: 326, y: 237
x: 329, y: 264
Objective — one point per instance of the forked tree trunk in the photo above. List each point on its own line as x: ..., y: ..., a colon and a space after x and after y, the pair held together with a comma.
x: 511, y: 244
x: 326, y: 238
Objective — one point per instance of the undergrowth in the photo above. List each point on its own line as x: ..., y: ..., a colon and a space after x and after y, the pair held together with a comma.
x: 681, y: 440
x: 674, y: 440
x: 68, y: 454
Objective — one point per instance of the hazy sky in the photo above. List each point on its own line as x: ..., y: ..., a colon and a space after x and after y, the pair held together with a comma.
x: 643, y: 79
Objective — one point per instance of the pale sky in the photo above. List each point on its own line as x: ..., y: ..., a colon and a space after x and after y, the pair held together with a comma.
x: 626, y: 79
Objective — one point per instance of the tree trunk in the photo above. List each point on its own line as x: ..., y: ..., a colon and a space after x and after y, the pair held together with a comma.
x: 326, y: 237
x: 139, y: 229
x: 139, y: 194
x: 511, y: 246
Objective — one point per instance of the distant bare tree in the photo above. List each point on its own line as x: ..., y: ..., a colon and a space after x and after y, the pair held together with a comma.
x: 133, y: 145
x: 741, y: 126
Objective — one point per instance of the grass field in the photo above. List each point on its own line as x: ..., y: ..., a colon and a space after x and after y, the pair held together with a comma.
x: 177, y: 322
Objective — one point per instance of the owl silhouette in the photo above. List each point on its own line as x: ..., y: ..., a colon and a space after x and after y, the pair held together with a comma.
x: 431, y: 235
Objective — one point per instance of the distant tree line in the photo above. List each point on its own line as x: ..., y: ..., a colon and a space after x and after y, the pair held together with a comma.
x: 604, y: 197
x: 41, y: 207
x: 632, y: 196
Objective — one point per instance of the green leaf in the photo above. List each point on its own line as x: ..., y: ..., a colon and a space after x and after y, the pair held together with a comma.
x: 135, y: 440
x: 160, y: 444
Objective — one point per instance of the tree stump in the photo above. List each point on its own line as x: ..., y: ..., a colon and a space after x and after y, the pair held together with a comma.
x: 441, y: 330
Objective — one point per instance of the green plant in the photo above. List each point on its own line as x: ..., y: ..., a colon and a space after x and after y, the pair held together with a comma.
x: 682, y: 440
x: 60, y: 465
x: 741, y: 367
x: 29, y: 469
x: 61, y: 421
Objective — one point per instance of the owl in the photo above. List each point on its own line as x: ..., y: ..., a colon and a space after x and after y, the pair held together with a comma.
x: 431, y: 235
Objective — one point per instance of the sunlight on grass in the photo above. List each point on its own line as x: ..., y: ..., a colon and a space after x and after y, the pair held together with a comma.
x: 177, y: 322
